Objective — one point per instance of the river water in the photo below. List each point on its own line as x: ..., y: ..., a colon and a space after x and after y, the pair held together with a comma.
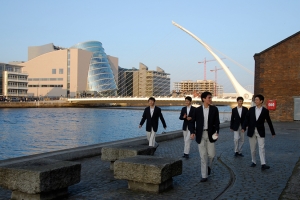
x: 29, y: 131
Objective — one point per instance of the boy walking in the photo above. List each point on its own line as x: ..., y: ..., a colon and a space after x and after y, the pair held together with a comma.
x: 152, y: 114
x: 186, y: 115
x: 238, y: 115
x: 255, y: 120
x: 207, y: 122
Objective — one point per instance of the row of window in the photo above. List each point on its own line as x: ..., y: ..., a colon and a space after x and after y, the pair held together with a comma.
x: 16, y: 85
x: 10, y: 76
x: 60, y: 71
x: 45, y: 79
x: 45, y: 85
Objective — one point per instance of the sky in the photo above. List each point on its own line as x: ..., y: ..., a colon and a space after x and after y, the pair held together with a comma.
x: 141, y: 31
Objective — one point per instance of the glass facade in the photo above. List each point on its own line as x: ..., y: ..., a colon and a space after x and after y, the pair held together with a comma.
x: 100, y: 76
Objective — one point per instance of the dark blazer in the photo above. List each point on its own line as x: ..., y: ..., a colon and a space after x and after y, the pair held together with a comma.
x: 152, y: 122
x: 252, y: 123
x: 213, y: 123
x: 237, y: 121
x: 185, y: 121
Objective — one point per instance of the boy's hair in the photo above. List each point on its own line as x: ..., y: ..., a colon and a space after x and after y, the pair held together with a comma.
x: 204, y: 95
x: 188, y: 98
x: 240, y: 98
x: 151, y: 98
x: 261, y: 97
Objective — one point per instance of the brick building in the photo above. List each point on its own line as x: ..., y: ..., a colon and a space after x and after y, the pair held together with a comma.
x: 277, y: 77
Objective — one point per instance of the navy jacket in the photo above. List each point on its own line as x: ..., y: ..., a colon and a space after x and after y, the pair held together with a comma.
x: 237, y: 121
x: 198, y: 119
x: 252, y: 123
x: 152, y: 122
x: 185, y: 121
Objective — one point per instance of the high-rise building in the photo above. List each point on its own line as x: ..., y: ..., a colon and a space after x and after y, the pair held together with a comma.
x: 143, y: 82
x: 13, y: 81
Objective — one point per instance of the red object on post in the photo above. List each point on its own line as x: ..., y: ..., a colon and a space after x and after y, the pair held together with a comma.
x: 271, y: 104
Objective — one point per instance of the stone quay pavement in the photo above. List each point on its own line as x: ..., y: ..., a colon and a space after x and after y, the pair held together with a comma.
x: 231, y: 177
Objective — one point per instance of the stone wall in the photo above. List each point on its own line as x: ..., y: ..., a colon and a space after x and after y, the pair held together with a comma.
x: 277, y: 76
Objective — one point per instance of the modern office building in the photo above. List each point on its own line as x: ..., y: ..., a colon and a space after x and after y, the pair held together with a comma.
x: 190, y: 87
x: 56, y: 72
x: 13, y: 81
x: 100, y: 76
x: 143, y: 82
x: 82, y: 69
x: 125, y: 81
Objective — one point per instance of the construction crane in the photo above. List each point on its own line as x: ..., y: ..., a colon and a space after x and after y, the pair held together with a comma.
x: 216, y: 70
x: 205, y: 61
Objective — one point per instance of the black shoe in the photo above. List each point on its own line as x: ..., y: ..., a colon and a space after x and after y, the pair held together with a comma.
x: 208, y: 170
x: 203, y: 180
x: 263, y: 167
x: 152, y: 151
x: 184, y: 155
x: 253, y: 165
x: 240, y: 154
x: 149, y: 151
x: 236, y: 154
x: 187, y: 156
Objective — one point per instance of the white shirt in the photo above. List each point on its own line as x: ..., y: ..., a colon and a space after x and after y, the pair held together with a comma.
x: 205, y: 114
x: 152, y: 110
x: 188, y: 108
x: 240, y: 111
x: 257, y: 112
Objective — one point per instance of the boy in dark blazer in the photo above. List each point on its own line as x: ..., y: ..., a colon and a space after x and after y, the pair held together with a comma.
x: 255, y: 120
x: 186, y: 115
x: 206, y: 118
x: 238, y: 115
x: 152, y: 114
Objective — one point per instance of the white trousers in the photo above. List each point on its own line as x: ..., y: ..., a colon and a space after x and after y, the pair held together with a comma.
x: 207, y: 152
x: 151, y: 138
x: 187, y: 141
x: 261, y: 147
x: 239, y: 138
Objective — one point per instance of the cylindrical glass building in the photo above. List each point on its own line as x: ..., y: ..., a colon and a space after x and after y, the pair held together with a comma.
x: 100, y: 76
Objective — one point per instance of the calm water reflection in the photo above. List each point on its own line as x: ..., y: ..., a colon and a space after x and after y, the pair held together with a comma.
x: 37, y: 130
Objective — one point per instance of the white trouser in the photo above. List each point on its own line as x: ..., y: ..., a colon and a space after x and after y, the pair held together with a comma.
x: 207, y: 152
x: 151, y: 138
x: 239, y: 138
x: 187, y: 141
x: 261, y: 147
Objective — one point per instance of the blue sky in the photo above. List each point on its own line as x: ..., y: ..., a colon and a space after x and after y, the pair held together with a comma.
x: 141, y: 31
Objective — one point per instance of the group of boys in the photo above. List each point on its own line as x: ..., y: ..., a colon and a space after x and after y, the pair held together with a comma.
x: 203, y: 124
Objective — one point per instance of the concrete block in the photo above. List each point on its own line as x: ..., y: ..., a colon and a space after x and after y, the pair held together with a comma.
x: 147, y: 173
x: 39, y: 176
x: 116, y: 152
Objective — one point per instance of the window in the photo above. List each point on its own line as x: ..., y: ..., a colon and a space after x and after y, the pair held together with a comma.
x: 60, y: 79
x: 52, y: 79
x: 53, y: 71
x: 61, y: 71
